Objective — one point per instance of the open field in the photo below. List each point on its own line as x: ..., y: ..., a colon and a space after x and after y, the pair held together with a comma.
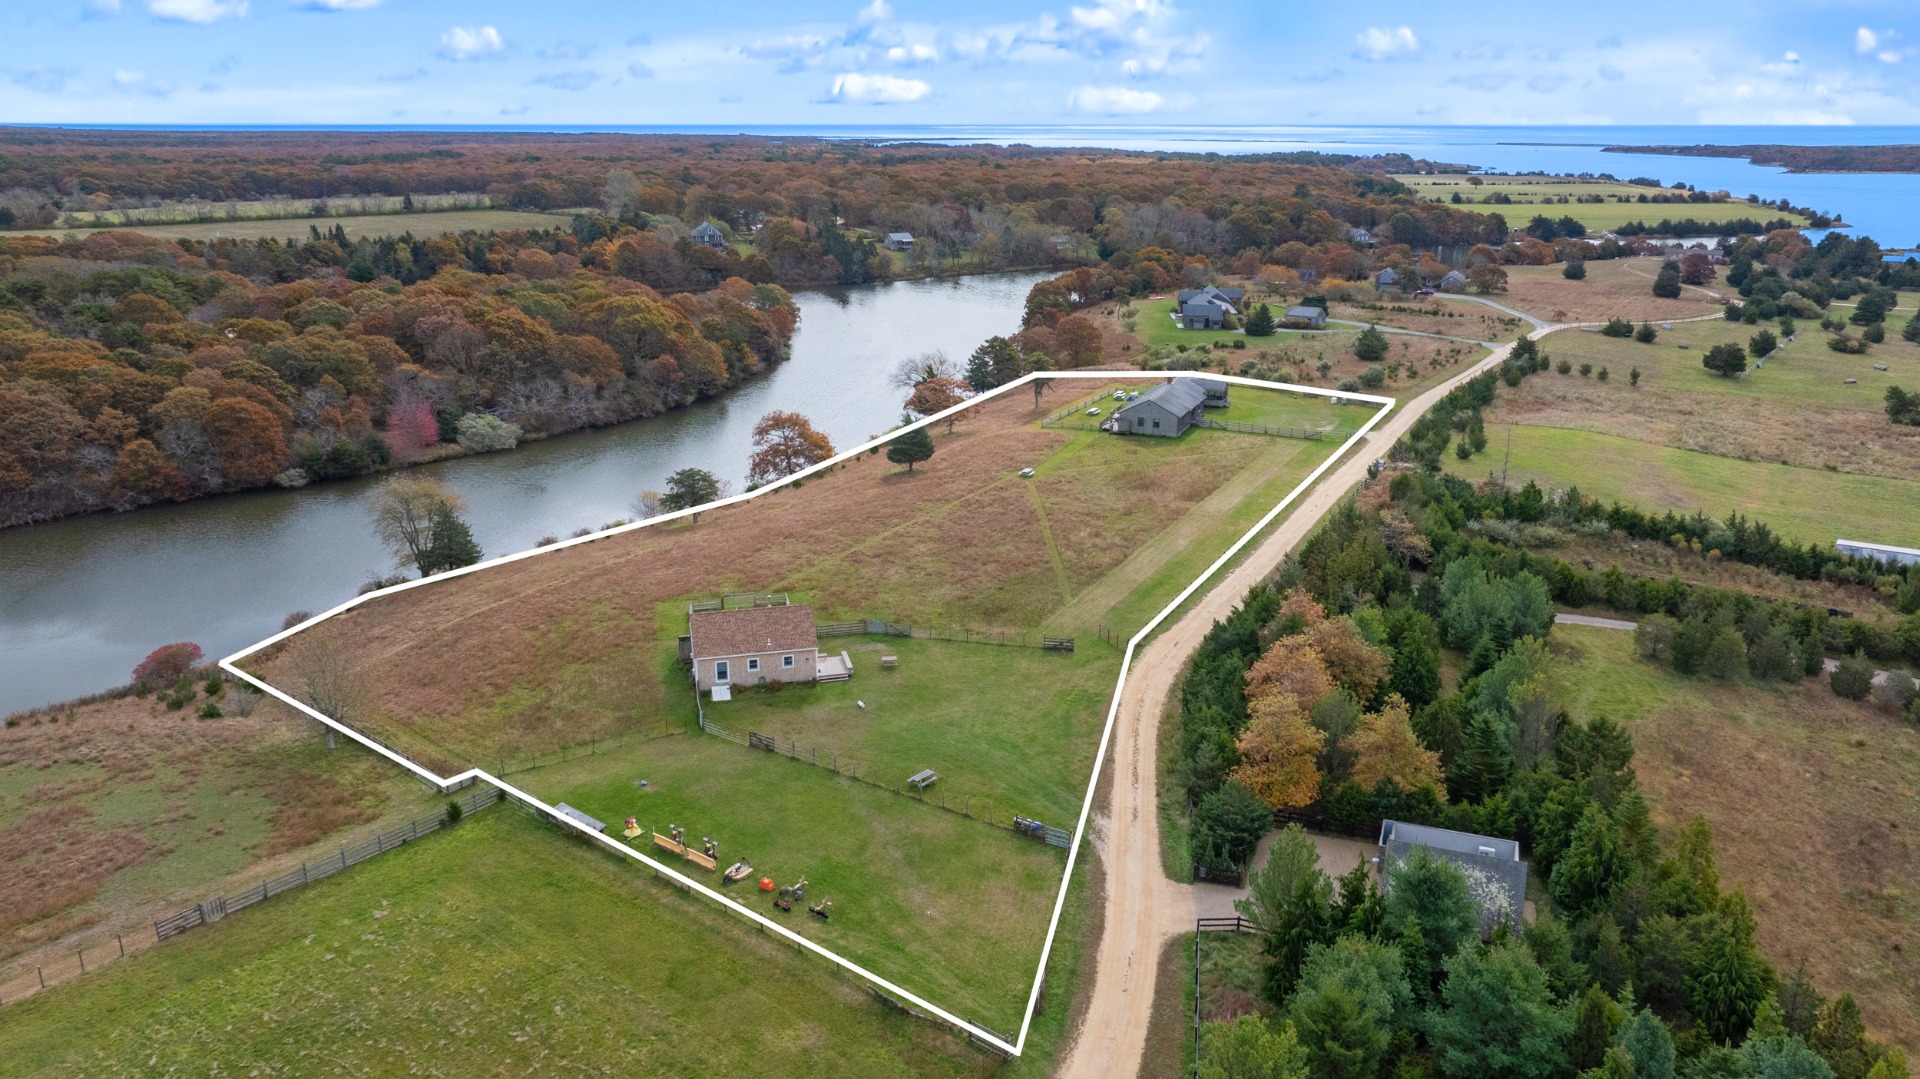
x: 1802, y: 504
x: 495, y: 947
x: 577, y: 644
x: 1813, y: 800
x: 1532, y: 195
x: 946, y: 906
x: 1155, y: 327
x: 121, y: 810
x: 1796, y: 409
x: 1473, y: 321
x: 1612, y: 287
x: 420, y: 224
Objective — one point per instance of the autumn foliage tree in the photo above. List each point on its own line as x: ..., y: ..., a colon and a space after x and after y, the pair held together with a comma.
x: 165, y: 664
x: 785, y: 443
x: 1385, y: 747
x: 1291, y: 667
x: 935, y: 395
x: 1279, y: 752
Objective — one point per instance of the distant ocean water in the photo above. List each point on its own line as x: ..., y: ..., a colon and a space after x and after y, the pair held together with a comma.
x: 1883, y: 206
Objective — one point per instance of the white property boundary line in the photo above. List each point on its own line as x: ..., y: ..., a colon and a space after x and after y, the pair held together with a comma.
x: 231, y: 665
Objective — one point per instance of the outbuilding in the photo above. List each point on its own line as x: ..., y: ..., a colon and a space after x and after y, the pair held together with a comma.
x: 1167, y: 410
x: 753, y: 646
x: 1883, y: 552
x: 1303, y: 317
x: 899, y: 241
x: 1496, y: 877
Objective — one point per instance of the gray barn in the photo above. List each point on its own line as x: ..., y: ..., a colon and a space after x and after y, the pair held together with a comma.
x: 1167, y: 410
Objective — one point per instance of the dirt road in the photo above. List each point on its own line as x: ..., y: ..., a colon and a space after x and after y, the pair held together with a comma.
x: 1144, y: 908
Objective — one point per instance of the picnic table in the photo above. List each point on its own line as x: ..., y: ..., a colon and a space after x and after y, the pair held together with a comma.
x: 923, y: 779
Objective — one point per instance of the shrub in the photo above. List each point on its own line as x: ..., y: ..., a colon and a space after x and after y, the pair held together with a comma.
x: 1371, y: 345
x: 1563, y: 367
x: 167, y: 663
x: 1586, y: 369
x: 453, y: 812
x: 1874, y: 334
x: 1853, y: 678
x: 1646, y: 333
x: 1601, y: 374
x: 1574, y: 270
x: 1633, y: 377
x: 482, y: 433
x: 1617, y: 327
x: 295, y: 618
x: 1847, y: 343
x: 209, y: 710
x: 1373, y: 378
x: 1762, y: 344
x: 375, y: 584
x: 214, y: 686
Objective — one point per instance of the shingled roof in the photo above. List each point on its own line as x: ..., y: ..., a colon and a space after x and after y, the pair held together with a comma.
x: 718, y: 634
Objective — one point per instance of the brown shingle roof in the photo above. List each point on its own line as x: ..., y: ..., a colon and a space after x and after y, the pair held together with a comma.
x: 759, y: 629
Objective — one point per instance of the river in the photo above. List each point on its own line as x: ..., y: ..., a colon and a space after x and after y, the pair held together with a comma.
x: 82, y: 600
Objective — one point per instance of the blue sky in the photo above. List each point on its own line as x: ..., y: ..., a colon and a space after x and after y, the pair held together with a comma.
x: 640, y: 62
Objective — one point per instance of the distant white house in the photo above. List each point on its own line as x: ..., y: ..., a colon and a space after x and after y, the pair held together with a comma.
x: 899, y: 241
x: 706, y: 234
x: 1358, y: 235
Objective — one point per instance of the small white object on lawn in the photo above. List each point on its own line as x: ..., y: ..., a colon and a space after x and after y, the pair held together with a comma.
x: 1026, y: 472
x: 862, y: 704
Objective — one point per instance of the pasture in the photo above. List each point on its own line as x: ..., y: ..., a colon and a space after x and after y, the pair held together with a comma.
x: 496, y: 946
x: 1796, y: 409
x: 1803, y: 504
x: 114, y: 812
x: 1532, y: 195
x: 1812, y: 800
x: 1613, y: 287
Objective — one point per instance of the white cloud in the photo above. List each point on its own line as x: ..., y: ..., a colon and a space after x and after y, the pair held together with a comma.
x: 792, y: 52
x: 1790, y: 57
x: 470, y: 43
x: 1880, y: 45
x: 338, y: 5
x: 855, y: 88
x: 197, y: 11
x: 1114, y: 100
x: 135, y: 82
x: 1865, y: 41
x: 910, y: 55
x: 1377, y: 43
x: 101, y: 8
x: 878, y: 11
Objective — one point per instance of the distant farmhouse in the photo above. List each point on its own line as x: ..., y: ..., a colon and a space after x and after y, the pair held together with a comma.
x: 1166, y: 411
x: 1387, y: 278
x: 1304, y: 318
x: 1454, y: 281
x: 753, y: 646
x: 899, y: 241
x: 1496, y: 876
x: 1208, y: 308
x: 1358, y: 235
x: 706, y: 234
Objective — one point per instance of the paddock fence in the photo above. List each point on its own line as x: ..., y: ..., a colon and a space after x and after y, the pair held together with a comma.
x: 1311, y: 434
x: 505, y: 766
x: 212, y: 910
x: 881, y: 627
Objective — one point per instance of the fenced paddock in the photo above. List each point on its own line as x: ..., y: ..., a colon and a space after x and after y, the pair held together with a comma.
x: 1311, y: 434
x: 880, y: 627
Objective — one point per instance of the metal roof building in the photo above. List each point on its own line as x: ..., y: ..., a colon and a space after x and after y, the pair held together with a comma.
x: 1496, y: 876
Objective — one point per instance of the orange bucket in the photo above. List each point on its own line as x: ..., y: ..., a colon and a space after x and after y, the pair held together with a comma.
x: 766, y: 884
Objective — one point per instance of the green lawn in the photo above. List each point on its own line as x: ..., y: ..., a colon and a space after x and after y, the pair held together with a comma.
x: 1155, y: 326
x: 1529, y: 195
x: 948, y: 906
x: 1802, y: 504
x: 500, y: 947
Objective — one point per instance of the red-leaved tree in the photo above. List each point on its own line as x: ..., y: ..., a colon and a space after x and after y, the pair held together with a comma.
x: 167, y: 663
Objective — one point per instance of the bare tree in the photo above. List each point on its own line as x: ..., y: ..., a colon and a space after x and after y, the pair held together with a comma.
x: 646, y: 504
x: 403, y: 515
x: 913, y: 371
x: 323, y: 677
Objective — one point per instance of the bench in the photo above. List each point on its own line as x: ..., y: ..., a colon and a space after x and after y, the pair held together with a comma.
x: 923, y: 779
x: 889, y: 661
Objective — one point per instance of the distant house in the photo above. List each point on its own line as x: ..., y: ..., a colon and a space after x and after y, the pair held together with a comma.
x: 707, y: 234
x: 1454, y: 281
x: 1387, y: 278
x: 1304, y: 318
x: 1358, y: 235
x: 1061, y: 243
x: 1496, y: 877
x: 1216, y: 391
x: 1166, y: 411
x: 1863, y: 549
x: 753, y: 646
x: 1207, y: 308
x: 899, y: 241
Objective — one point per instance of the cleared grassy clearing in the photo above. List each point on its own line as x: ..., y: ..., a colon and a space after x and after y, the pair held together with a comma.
x: 1802, y: 504
x: 1812, y: 801
x: 421, y: 224
x: 1530, y: 195
x: 495, y: 947
x: 1473, y: 321
x: 1154, y: 325
x: 127, y: 807
x: 1614, y: 287
x: 949, y: 907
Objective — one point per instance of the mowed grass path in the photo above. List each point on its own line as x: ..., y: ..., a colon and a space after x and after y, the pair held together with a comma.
x: 1802, y: 504
x: 1811, y: 799
x: 948, y: 907
x: 496, y: 948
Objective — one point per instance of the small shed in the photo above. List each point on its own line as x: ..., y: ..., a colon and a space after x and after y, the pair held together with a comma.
x: 1165, y: 411
x: 1387, y: 278
x: 578, y: 817
x: 1496, y: 877
x: 1454, y: 281
x: 899, y: 241
x: 1216, y: 391
x: 1303, y: 317
x: 708, y: 235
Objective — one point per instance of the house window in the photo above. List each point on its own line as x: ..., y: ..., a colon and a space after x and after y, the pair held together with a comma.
x: 753, y: 665
x: 786, y: 662
x: 722, y: 671
x: 1156, y: 425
